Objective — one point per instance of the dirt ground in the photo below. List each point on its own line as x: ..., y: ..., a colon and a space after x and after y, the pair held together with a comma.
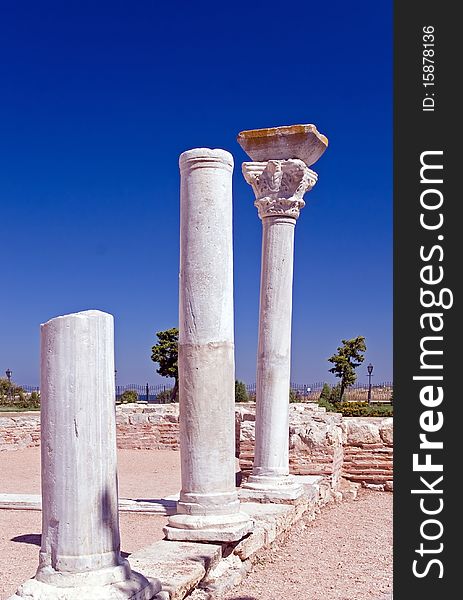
x: 141, y: 474
x: 346, y: 554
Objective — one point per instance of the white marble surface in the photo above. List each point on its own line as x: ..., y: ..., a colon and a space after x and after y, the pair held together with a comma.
x: 208, y: 499
x: 80, y: 552
x: 279, y: 178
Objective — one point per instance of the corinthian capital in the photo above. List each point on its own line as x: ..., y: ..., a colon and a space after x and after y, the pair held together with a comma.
x: 279, y: 186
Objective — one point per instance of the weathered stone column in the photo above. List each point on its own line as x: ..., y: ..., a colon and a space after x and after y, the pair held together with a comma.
x: 279, y: 177
x: 208, y: 509
x: 80, y: 554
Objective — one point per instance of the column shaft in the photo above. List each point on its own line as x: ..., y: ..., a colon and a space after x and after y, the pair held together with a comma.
x: 80, y: 553
x: 208, y: 499
x: 279, y: 186
x: 274, y: 347
x: 206, y: 344
x: 80, y: 530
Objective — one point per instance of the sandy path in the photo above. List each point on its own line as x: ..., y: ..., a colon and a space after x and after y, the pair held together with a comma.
x: 345, y: 554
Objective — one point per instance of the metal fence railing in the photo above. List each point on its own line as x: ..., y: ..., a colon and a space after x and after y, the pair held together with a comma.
x: 310, y: 392
x: 307, y: 392
x: 381, y: 393
x: 146, y: 392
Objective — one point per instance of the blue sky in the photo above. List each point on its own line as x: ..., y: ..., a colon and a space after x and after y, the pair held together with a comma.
x: 99, y: 99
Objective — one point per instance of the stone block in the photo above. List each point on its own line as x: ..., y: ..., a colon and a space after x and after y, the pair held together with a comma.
x: 138, y: 418
x: 180, y: 566
x: 252, y: 543
x: 386, y: 431
x: 359, y: 432
x: 279, y: 143
x: 377, y: 487
x: 389, y: 486
x: 135, y: 588
x: 349, y: 489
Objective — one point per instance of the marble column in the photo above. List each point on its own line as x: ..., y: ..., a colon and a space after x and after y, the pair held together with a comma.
x: 208, y: 508
x: 280, y: 176
x: 80, y: 553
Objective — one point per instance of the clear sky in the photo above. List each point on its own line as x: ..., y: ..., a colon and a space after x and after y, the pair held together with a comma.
x: 97, y: 101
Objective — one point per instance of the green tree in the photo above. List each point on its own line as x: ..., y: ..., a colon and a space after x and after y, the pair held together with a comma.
x: 241, y: 393
x: 9, y: 391
x: 35, y: 399
x: 347, y: 359
x: 326, y: 392
x: 335, y: 394
x: 165, y: 397
x: 5, y: 387
x: 16, y: 397
x: 165, y: 353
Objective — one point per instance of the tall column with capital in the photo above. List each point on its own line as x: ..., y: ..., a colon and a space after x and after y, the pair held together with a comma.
x: 80, y: 552
x: 280, y: 176
x: 208, y: 509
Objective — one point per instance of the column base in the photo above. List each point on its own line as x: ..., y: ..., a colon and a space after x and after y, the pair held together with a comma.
x: 262, y: 488
x: 73, y: 587
x: 211, y: 528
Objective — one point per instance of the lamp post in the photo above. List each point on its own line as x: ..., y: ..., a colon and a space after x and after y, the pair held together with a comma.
x: 9, y: 373
x: 370, y: 371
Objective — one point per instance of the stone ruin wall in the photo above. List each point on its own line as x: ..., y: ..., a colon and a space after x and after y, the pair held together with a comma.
x: 359, y: 449
x: 18, y: 432
x: 321, y: 443
x: 138, y: 427
x: 368, y: 451
x: 148, y: 427
x: 315, y: 441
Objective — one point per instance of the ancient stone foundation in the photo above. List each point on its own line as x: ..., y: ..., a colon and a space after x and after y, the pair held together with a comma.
x: 320, y: 443
x: 368, y: 450
x: 206, y: 570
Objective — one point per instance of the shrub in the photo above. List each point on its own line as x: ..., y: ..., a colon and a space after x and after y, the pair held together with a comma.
x: 128, y: 397
x: 241, y: 393
x: 164, y: 397
x: 10, y: 392
x: 27, y: 401
x: 14, y: 396
x: 34, y: 400
x: 335, y: 394
x: 326, y: 392
x: 324, y: 403
x: 295, y: 396
x: 359, y: 409
x: 363, y: 409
